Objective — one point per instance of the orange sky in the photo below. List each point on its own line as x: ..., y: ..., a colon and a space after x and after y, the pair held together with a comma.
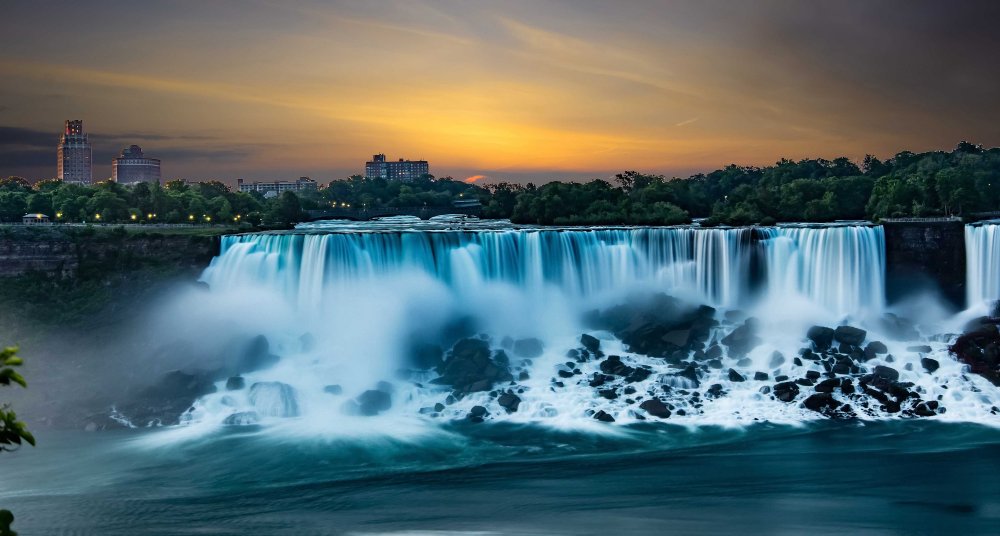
x: 520, y: 90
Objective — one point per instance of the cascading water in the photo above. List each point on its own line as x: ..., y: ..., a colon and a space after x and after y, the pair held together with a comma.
x: 841, y: 268
x: 982, y: 252
x: 348, y: 311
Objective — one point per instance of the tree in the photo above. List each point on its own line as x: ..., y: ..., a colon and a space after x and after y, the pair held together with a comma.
x: 13, y: 433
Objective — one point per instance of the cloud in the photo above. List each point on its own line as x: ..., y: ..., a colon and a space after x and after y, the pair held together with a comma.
x: 474, y: 178
x: 687, y: 122
x: 26, y: 137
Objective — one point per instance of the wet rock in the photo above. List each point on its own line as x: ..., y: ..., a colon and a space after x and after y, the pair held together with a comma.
x: 875, y: 348
x: 477, y: 414
x: 529, y: 348
x: 849, y: 335
x: 746, y: 362
x: 639, y: 374
x: 805, y: 382
x: 828, y: 386
x: 678, y: 337
x: 760, y: 376
x: 274, y: 399
x: 333, y: 389
x: 821, y: 337
x: 743, y: 339
x: 979, y: 348
x: 591, y: 343
x: 899, y: 329
x: 715, y: 363
x: 888, y: 373
x: 715, y: 391
x: 469, y: 367
x: 776, y: 360
x: 827, y: 405
x: 613, y: 366
x: 644, y: 322
x: 599, y: 379
x: 929, y: 364
x: 257, y: 356
x: 242, y: 418
x: 847, y: 386
x: 656, y: 408
x: 522, y: 376
x: 373, y: 402
x: 920, y: 348
x: 509, y: 402
x: 610, y: 394
x: 439, y: 407
x: 603, y: 416
x: 736, y: 376
x: 714, y: 352
x: 235, y: 383
x: 786, y: 391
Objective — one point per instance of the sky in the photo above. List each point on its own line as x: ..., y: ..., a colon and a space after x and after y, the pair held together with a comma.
x: 513, y: 90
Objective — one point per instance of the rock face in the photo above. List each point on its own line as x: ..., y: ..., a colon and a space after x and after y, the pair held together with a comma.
x: 509, y: 402
x: 918, y: 253
x: 742, y: 339
x: 235, y: 383
x: 274, y: 399
x: 849, y: 335
x: 469, y: 367
x: 821, y: 337
x: 979, y: 347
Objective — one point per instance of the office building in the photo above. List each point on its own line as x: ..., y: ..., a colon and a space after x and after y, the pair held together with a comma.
x: 75, y: 154
x: 276, y: 187
x: 400, y: 170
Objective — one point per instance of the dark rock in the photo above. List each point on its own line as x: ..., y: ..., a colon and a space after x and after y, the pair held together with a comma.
x: 469, y: 367
x: 812, y: 375
x: 827, y: 405
x: 610, y: 394
x: 509, y: 402
x: 797, y: 362
x: 373, y: 402
x: 930, y: 365
x: 899, y: 329
x: 736, y: 376
x: 715, y: 391
x: 333, y: 389
x: 805, y: 382
x: 613, y: 365
x: 714, y: 352
x: 522, y: 376
x: 776, y: 360
x: 850, y: 335
x: 760, y: 376
x: 257, y: 356
x: 603, y: 416
x: 638, y: 375
x: 591, y: 343
x: 781, y: 378
x: 439, y: 407
x: 920, y: 348
x: 564, y: 373
x: 677, y: 337
x: 742, y: 339
x: 530, y: 348
x: 847, y: 387
x: 644, y: 322
x: 715, y: 363
x: 599, y: 379
x: 821, y: 337
x: 745, y: 362
x: 827, y: 386
x: 274, y: 399
x: 235, y: 383
x: 477, y: 414
x: 656, y: 408
x: 980, y: 349
x: 888, y: 373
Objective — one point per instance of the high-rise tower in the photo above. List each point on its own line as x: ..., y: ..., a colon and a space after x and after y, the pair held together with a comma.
x: 75, y: 154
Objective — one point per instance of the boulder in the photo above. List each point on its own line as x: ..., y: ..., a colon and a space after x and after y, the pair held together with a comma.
x: 776, y: 360
x: 821, y: 337
x: 888, y: 373
x: 849, y: 335
x: 529, y: 348
x: 163, y: 402
x: 235, y: 383
x: 920, y: 349
x: 509, y: 402
x: 333, y: 389
x: 742, y: 339
x: 930, y: 365
x: 980, y: 349
x: 827, y: 405
x: 736, y: 376
x: 274, y: 399
x: 654, y: 325
x: 899, y: 329
x: 603, y: 416
x: 591, y: 343
x: 373, y: 401
x: 242, y: 418
x: 477, y: 414
x: 656, y: 408
x: 786, y: 391
x: 469, y: 367
x: 257, y: 356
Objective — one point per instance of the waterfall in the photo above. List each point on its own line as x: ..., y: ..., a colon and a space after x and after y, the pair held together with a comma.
x: 982, y: 254
x: 842, y: 267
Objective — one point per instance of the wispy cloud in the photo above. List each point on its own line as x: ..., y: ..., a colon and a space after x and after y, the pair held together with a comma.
x: 686, y: 122
x: 474, y: 178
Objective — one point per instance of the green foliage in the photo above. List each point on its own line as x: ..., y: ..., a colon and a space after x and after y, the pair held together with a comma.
x: 13, y: 433
x: 6, y: 519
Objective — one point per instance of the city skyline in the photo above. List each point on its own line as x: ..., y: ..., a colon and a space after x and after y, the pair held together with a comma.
x: 523, y: 92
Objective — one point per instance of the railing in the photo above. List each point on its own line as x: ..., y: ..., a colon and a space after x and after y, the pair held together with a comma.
x: 344, y: 213
x: 922, y: 220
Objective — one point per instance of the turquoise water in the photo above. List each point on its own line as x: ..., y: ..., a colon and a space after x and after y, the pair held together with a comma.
x: 894, y: 477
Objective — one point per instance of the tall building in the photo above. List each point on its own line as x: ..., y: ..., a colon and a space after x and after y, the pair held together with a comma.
x: 75, y: 154
x: 132, y: 167
x: 273, y: 188
x: 401, y: 170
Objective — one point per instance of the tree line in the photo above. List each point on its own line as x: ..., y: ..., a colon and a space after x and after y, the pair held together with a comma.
x: 937, y: 183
